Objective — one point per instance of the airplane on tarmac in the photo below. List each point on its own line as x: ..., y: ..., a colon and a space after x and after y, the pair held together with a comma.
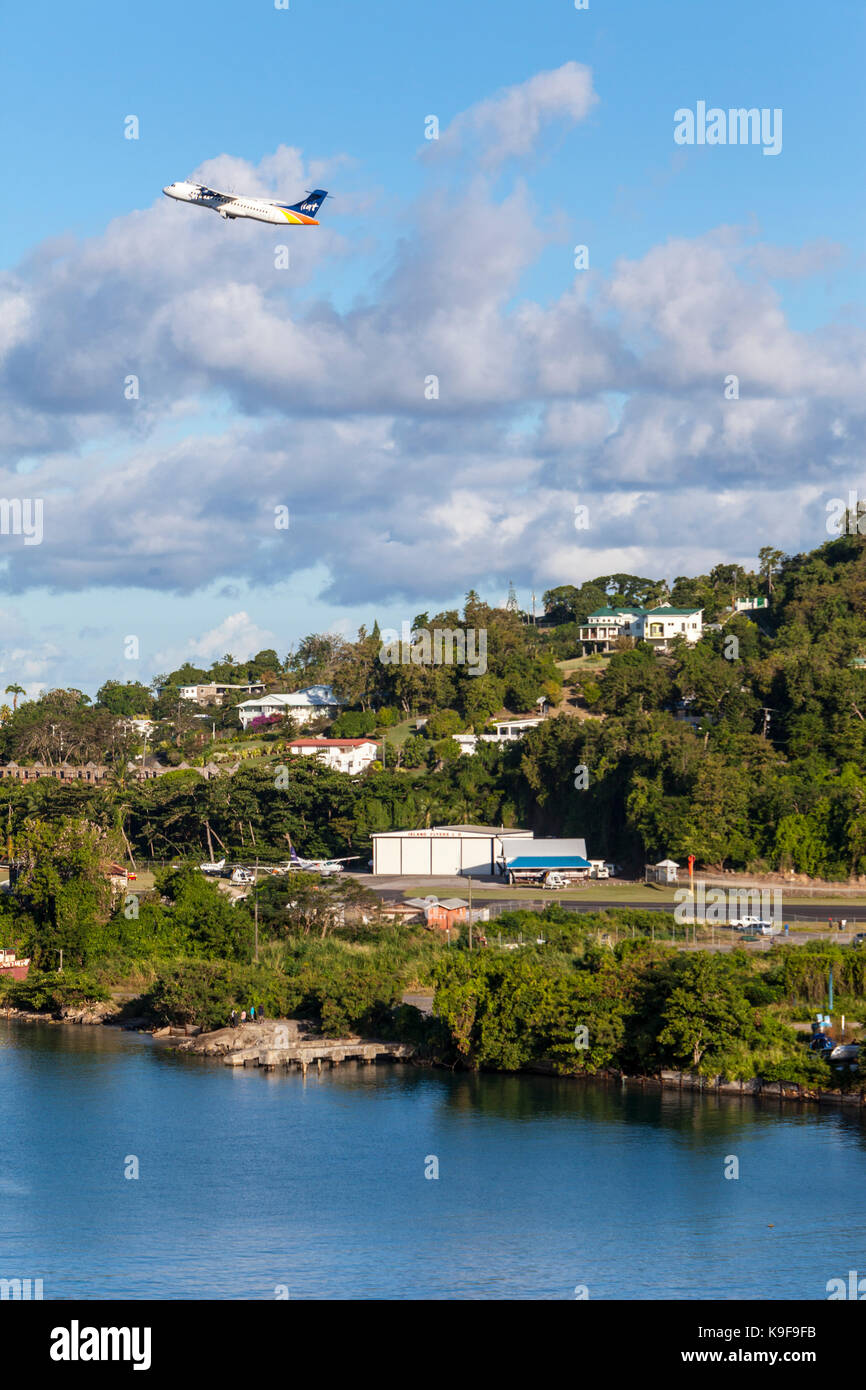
x: 213, y: 867
x: 325, y: 867
x: 231, y: 206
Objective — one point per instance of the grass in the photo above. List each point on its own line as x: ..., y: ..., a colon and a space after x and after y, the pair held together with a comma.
x: 398, y: 733
x: 581, y: 664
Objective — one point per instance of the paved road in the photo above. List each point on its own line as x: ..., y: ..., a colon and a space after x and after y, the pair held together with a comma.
x: 804, y: 912
x: 797, y: 912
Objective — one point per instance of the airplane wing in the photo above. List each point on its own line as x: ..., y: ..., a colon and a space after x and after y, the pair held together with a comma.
x: 207, y: 194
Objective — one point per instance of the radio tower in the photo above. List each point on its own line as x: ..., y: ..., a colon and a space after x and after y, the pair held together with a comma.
x: 511, y: 603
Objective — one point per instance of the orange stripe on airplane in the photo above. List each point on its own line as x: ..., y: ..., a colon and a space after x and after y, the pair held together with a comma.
x: 299, y: 217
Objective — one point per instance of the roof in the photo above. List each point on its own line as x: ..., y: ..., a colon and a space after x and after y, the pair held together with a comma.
x: 550, y: 852
x: 667, y: 864
x: 666, y: 612
x: 313, y: 695
x: 548, y: 861
x: 491, y: 831
x: 316, y: 695
x: 331, y: 742
x: 482, y: 829
x: 615, y: 612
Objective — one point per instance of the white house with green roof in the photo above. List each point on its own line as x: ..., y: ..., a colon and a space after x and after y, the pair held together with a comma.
x: 662, y: 624
x: 604, y: 625
x: 658, y: 626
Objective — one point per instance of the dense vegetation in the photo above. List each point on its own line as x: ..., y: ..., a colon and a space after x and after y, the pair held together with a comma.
x: 767, y: 774
x: 572, y: 998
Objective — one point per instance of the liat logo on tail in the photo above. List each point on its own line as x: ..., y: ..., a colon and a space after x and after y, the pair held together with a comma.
x: 309, y: 205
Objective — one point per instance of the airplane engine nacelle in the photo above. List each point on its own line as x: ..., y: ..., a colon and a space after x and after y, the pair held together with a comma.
x: 226, y: 215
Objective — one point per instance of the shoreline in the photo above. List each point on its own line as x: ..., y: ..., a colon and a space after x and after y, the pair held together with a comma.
x: 234, y: 1048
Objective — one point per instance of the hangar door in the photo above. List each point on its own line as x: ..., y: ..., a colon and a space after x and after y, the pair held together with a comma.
x: 416, y: 855
x: 387, y: 856
x: 446, y: 856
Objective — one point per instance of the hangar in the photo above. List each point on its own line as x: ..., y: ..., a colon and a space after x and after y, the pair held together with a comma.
x: 444, y: 849
x: 526, y: 857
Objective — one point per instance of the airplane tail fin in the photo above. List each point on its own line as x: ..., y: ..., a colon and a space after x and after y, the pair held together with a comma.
x: 311, y: 204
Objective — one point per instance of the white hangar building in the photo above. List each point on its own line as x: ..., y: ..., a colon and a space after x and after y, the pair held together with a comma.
x: 445, y: 849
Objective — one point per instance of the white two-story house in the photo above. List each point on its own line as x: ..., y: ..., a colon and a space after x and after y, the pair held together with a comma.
x: 658, y: 626
x: 605, y: 625
x: 301, y: 705
x: 352, y: 755
x: 662, y: 624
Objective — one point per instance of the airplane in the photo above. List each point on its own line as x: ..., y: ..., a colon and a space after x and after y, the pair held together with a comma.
x: 231, y: 206
x: 213, y: 868
x: 326, y: 867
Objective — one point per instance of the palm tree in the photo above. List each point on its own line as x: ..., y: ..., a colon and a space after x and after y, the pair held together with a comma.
x: 114, y: 802
x: 15, y: 691
x: 5, y: 713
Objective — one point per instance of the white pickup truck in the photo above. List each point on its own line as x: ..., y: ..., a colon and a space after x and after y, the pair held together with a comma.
x: 744, y: 923
x: 756, y: 925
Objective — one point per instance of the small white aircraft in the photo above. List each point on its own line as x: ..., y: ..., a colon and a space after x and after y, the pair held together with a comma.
x: 231, y: 206
x: 213, y: 867
x: 325, y: 867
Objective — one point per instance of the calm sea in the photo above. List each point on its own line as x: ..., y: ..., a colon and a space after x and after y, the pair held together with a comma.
x: 253, y: 1182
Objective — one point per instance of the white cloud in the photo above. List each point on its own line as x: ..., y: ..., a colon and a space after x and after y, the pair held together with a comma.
x: 510, y: 123
x: 236, y: 634
x: 390, y: 494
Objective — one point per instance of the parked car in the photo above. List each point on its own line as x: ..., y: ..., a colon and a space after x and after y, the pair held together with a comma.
x: 845, y: 1052
x: 767, y: 928
x: 744, y: 923
x: 859, y: 938
x: 819, y: 1042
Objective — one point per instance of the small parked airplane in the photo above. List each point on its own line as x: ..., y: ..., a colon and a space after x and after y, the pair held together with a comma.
x: 230, y: 205
x: 213, y: 868
x: 326, y: 867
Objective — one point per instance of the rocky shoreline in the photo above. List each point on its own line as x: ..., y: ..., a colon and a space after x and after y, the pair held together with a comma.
x: 288, y: 1042
x: 109, y: 1014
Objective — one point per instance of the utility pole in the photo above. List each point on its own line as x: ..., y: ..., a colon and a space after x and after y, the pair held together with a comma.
x: 469, y: 881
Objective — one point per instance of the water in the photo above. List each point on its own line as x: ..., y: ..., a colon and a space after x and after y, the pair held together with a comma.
x: 250, y: 1180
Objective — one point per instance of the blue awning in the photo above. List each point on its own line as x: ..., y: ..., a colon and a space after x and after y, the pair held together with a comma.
x: 556, y: 861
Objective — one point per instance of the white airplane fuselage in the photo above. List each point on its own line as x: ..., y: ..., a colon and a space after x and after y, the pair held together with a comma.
x: 230, y: 206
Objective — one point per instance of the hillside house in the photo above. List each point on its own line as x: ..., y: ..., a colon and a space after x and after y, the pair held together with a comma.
x: 300, y: 705
x: 216, y: 694
x: 658, y: 626
x: 351, y: 755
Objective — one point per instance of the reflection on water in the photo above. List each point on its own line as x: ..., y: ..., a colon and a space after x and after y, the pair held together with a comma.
x: 250, y: 1180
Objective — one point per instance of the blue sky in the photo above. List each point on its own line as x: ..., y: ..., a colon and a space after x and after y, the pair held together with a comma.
x: 749, y: 264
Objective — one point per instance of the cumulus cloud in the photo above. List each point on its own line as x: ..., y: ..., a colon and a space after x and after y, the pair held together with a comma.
x: 615, y: 398
x: 510, y: 123
x: 237, y: 635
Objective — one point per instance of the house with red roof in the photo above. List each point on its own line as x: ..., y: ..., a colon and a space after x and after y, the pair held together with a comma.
x: 352, y: 755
